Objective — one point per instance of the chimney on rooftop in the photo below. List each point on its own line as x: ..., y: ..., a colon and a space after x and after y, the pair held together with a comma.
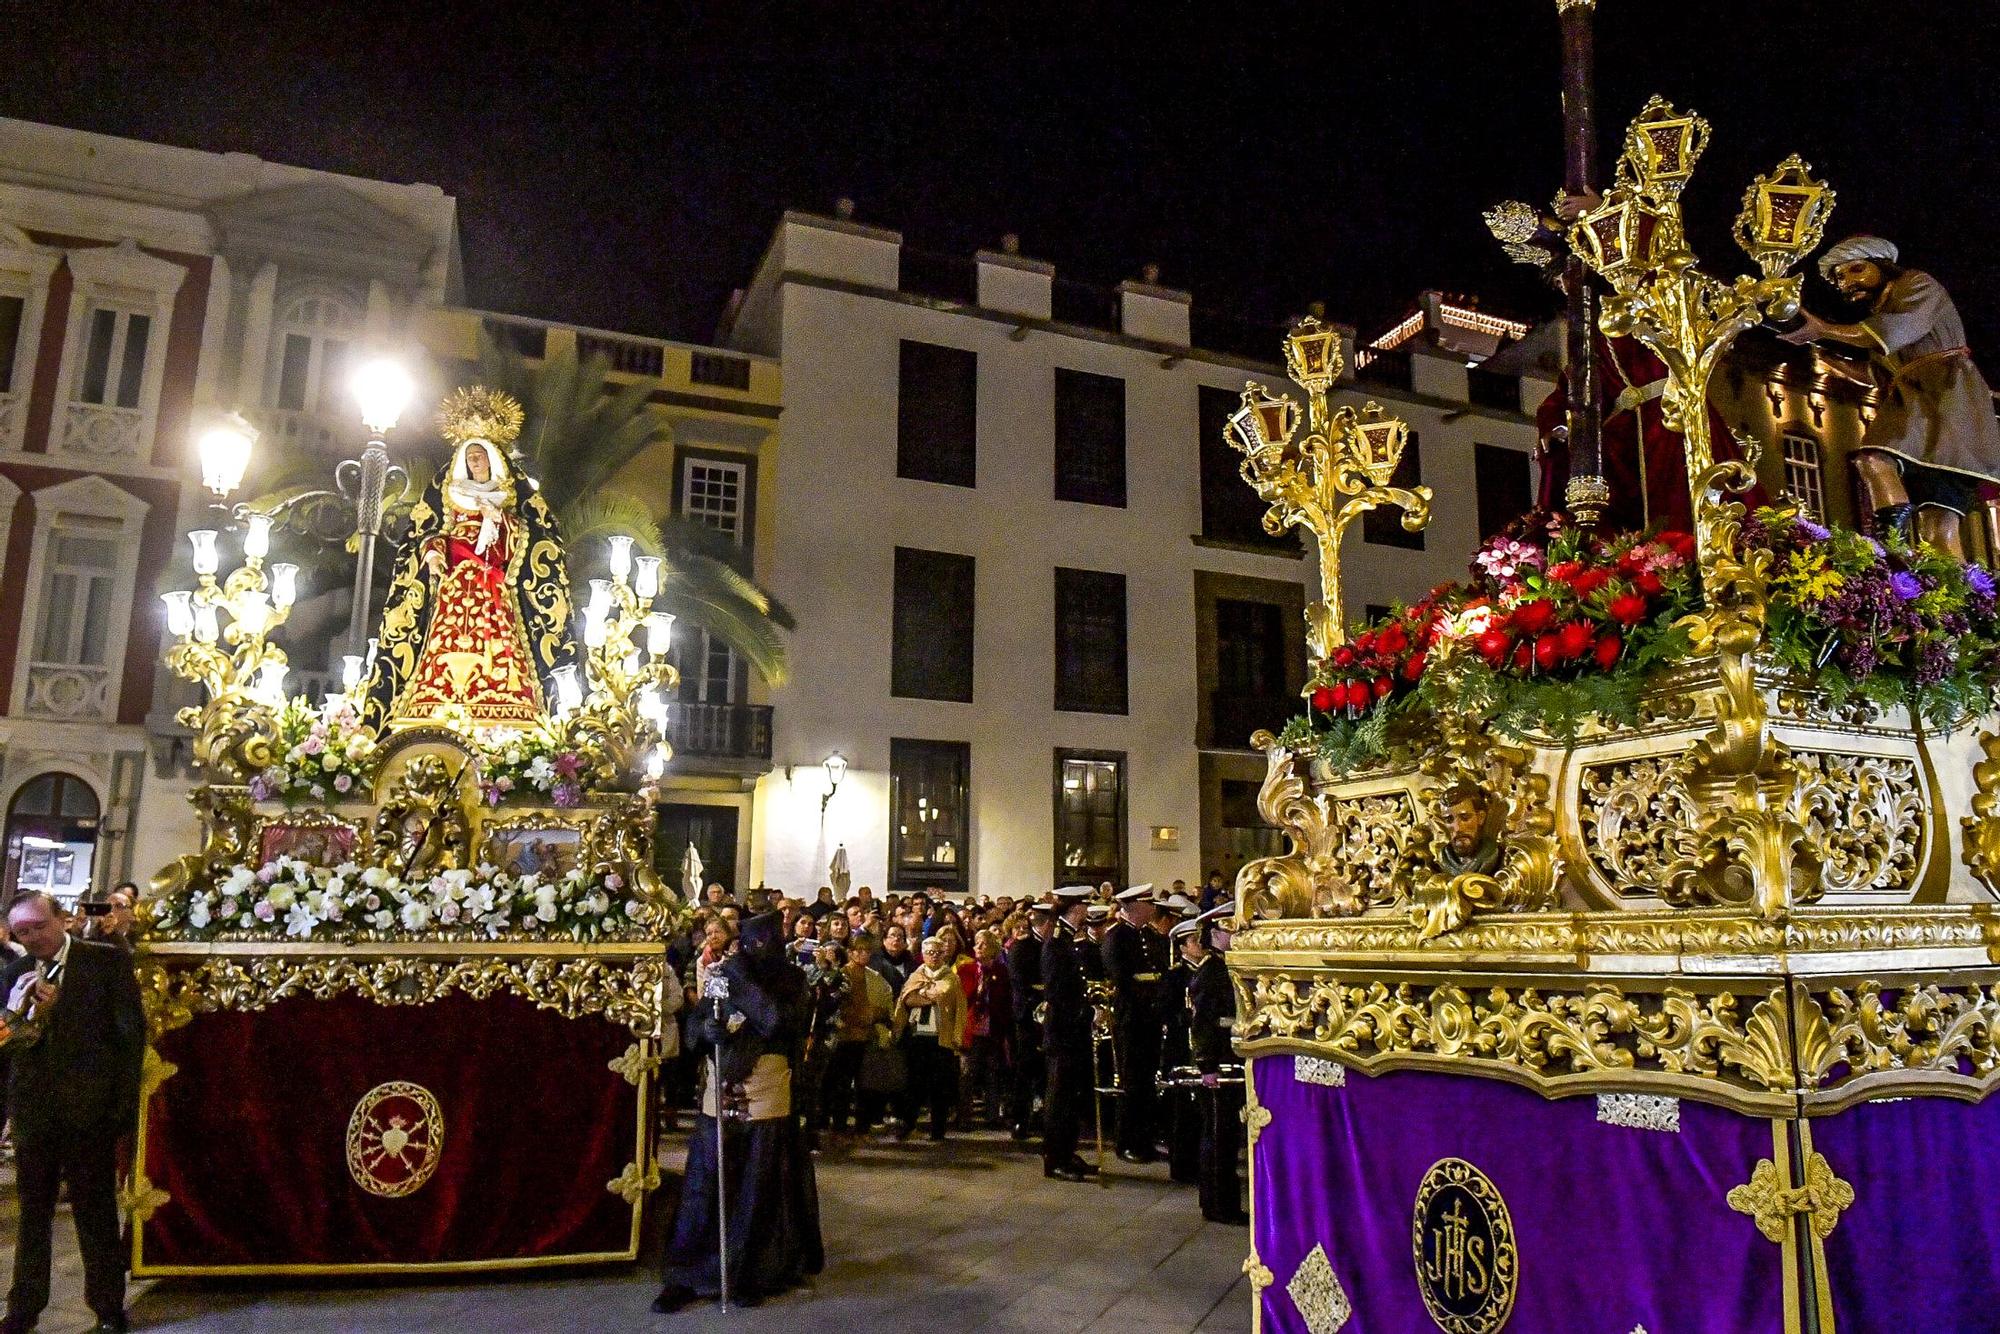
x: 843, y: 208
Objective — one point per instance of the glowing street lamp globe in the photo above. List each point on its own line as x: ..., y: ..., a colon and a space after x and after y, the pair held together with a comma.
x: 382, y: 389
x: 224, y: 451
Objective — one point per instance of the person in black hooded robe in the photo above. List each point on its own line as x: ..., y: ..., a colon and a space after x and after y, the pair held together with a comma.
x: 759, y: 1028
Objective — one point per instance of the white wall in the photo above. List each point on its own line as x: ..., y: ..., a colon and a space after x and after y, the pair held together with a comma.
x: 840, y: 512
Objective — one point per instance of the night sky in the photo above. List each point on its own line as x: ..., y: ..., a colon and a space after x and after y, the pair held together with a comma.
x: 625, y: 169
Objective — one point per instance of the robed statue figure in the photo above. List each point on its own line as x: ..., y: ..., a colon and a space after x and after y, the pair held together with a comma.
x: 479, y: 614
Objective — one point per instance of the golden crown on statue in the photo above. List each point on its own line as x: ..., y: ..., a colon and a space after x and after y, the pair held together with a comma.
x: 479, y: 413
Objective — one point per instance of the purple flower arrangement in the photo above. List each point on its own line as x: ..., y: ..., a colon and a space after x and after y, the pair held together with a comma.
x: 1893, y: 623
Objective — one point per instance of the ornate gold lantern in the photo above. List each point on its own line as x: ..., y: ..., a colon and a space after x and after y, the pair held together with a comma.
x: 1784, y: 216
x: 1264, y: 422
x: 1312, y: 353
x: 1662, y: 146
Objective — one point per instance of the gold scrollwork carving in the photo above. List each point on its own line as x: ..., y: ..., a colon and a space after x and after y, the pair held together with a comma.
x: 1287, y: 886
x: 141, y: 1199
x: 1772, y: 1205
x: 1544, y: 1038
x: 1982, y: 827
x: 626, y: 989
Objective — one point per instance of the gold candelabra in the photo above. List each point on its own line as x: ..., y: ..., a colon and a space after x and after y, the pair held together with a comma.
x: 621, y: 712
x: 1635, y: 240
x: 241, y: 671
x: 1340, y: 470
x: 1747, y: 847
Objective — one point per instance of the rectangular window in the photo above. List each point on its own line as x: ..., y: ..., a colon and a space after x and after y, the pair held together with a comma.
x: 720, y: 370
x: 1230, y: 510
x: 707, y: 666
x: 294, y: 364
x: 114, y: 358
x: 1384, y: 526
x: 712, y: 493
x: 931, y: 657
x: 1249, y: 672
x: 1090, y: 438
x: 1090, y: 817
x: 929, y: 788
x: 1805, y: 478
x: 77, y: 595
x: 937, y: 414
x: 12, y: 310
x: 1501, y: 478
x: 1090, y: 641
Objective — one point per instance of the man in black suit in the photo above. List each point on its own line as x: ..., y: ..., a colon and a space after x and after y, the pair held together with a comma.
x: 74, y: 1094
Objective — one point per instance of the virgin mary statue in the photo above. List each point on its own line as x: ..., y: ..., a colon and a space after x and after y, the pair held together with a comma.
x: 479, y: 614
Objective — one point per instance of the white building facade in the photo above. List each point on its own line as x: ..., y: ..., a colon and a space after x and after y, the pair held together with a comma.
x: 1036, y: 616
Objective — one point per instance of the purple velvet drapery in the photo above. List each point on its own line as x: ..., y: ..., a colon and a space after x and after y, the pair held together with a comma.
x: 1616, y: 1226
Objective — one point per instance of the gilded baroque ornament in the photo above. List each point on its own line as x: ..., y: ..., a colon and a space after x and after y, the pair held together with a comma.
x: 1982, y: 827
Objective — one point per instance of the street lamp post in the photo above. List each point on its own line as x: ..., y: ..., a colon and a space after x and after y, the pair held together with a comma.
x: 383, y: 390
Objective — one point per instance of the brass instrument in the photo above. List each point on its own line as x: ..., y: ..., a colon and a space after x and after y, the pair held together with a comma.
x: 1192, y: 1077
x: 1103, y: 1034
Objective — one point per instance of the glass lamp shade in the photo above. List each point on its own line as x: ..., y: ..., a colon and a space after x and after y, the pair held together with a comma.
x: 284, y: 585
x: 1264, y: 421
x: 180, y: 614
x: 652, y: 706
x: 632, y: 663
x: 593, y: 627
x: 203, y: 542
x: 350, y: 671
x: 206, y: 628
x: 370, y: 665
x: 257, y: 536
x: 1662, y: 146
x: 1382, y: 440
x: 568, y: 690
x: 271, y: 682
x: 224, y: 451
x: 252, y: 611
x: 646, y: 578
x: 1312, y: 353
x: 621, y: 558
x: 1784, y: 216
x: 659, y: 633
x: 656, y: 764
x: 600, y: 599
x: 836, y: 769
x: 382, y: 389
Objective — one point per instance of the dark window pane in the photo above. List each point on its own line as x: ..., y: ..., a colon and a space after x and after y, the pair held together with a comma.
x: 137, y: 329
x: 97, y: 355
x: 1090, y: 641
x: 720, y: 370
x: 1505, y: 490
x: 11, y: 308
x: 1090, y: 438
x: 1493, y: 390
x: 1250, y: 647
x: 937, y: 414
x: 1230, y: 510
x: 929, y: 789
x: 1090, y: 817
x: 1384, y: 526
x: 932, y: 626
x: 297, y: 360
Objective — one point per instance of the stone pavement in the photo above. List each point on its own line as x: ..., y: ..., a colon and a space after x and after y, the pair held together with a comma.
x: 965, y: 1237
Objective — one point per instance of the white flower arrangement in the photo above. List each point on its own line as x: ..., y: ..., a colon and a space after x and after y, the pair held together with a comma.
x: 291, y: 899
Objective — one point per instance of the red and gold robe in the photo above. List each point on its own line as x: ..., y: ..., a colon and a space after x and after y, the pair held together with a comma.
x: 475, y: 654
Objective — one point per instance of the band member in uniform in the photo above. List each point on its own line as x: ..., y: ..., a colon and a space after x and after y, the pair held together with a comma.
x: 1135, y: 963
x: 1211, y: 1006
x: 1024, y: 962
x: 1180, y: 1101
x: 1066, y: 1018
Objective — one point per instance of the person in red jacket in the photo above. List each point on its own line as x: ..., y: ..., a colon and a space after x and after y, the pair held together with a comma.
x: 989, y: 1019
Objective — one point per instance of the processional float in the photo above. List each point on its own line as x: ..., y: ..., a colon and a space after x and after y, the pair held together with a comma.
x: 406, y: 1000
x: 1634, y: 962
